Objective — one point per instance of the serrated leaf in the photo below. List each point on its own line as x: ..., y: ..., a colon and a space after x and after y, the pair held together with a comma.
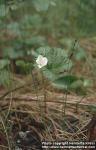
x: 58, y: 61
x: 49, y: 75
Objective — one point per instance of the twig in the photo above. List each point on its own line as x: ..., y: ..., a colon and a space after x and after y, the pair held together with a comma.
x: 34, y: 99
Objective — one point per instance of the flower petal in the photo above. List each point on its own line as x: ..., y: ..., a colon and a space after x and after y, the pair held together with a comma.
x: 41, y: 61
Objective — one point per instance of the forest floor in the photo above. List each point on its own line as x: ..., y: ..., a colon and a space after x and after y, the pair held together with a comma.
x: 30, y: 115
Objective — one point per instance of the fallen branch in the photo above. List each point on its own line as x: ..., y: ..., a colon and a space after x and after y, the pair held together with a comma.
x: 28, y: 99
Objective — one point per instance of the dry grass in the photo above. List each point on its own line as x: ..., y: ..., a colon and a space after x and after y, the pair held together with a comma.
x: 58, y: 123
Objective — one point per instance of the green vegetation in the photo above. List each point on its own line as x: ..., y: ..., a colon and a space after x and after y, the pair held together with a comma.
x: 27, y: 25
x: 62, y: 32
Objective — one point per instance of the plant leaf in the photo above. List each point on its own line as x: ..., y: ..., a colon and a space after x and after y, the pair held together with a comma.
x: 65, y: 81
x: 41, y: 5
x: 4, y: 63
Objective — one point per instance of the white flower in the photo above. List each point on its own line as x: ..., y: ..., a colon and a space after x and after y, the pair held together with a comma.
x: 41, y: 61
